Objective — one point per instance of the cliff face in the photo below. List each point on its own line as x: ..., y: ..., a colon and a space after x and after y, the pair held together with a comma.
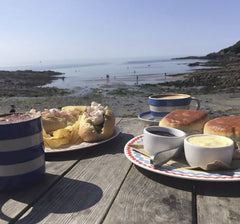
x: 226, y: 53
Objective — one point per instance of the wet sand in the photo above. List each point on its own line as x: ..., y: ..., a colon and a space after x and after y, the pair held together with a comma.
x: 124, y: 103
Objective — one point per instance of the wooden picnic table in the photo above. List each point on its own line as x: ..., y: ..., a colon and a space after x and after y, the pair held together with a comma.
x: 100, y: 185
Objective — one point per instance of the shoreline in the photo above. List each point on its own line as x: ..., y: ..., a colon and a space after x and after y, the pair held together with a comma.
x: 124, y: 102
x: 25, y: 92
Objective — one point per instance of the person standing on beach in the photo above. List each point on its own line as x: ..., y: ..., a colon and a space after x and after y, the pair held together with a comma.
x: 107, y: 77
x: 12, y: 109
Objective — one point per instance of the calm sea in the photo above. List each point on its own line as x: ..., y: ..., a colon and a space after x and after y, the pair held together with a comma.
x: 107, y: 72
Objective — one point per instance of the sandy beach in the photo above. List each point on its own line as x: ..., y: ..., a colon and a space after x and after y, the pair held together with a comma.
x: 217, y: 104
x: 217, y: 89
x: 126, y: 101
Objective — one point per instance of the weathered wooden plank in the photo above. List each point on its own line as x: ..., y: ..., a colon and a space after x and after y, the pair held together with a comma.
x: 133, y: 126
x: 218, y: 203
x: 146, y: 198
x: 213, y: 210
x: 57, y: 165
x: 86, y: 192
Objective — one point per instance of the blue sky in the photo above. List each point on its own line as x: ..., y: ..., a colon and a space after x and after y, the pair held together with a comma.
x: 65, y: 30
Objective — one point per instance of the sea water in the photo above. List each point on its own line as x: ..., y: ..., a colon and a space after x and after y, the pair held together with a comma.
x: 100, y: 73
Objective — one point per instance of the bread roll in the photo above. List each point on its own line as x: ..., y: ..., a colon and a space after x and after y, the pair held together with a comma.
x: 90, y: 132
x: 97, y: 123
x: 51, y: 124
x: 189, y: 121
x: 77, y: 109
x: 90, y: 123
x: 226, y: 126
x: 54, y: 119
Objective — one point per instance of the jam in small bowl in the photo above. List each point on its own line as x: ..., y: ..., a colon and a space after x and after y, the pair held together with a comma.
x: 157, y: 139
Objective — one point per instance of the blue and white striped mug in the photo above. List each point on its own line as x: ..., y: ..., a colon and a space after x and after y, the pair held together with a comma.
x: 22, y: 160
x: 162, y: 104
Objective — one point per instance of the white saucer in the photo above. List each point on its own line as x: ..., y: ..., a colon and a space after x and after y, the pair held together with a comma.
x: 147, y: 116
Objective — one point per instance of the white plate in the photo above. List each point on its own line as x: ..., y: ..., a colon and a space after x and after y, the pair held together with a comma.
x: 83, y: 144
x: 147, y: 116
x: 174, y: 170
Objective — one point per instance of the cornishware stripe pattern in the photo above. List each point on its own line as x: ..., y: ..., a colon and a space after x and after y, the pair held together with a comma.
x: 22, y: 158
x: 21, y: 168
x: 160, y: 107
x: 166, y: 108
x: 170, y: 102
x: 18, y: 144
x: 21, y: 129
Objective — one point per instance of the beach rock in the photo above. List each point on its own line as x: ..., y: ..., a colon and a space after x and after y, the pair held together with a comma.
x: 28, y: 83
x: 195, y: 64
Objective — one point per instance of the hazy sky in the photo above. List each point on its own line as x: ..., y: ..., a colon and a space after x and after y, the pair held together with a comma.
x: 63, y: 30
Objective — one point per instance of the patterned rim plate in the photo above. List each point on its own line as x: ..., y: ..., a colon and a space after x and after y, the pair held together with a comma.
x: 147, y: 116
x: 174, y: 170
x: 83, y: 144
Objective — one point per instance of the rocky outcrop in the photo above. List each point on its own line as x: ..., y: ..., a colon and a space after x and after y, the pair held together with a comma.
x: 28, y: 83
x: 225, y: 77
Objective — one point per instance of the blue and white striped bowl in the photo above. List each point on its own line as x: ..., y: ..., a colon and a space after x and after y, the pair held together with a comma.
x: 22, y: 160
x: 160, y: 105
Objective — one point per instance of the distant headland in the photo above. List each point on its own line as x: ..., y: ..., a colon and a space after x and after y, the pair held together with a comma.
x: 224, y: 77
x: 231, y: 53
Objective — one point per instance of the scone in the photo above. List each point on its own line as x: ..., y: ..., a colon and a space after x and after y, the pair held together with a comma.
x: 189, y: 121
x: 228, y: 126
